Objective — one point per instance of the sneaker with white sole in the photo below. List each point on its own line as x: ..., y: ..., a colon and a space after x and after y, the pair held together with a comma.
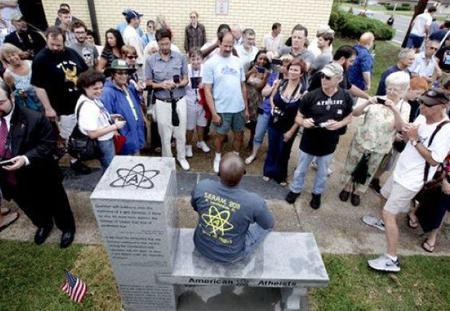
x: 250, y: 159
x: 217, y: 162
x: 189, y: 153
x: 384, y: 263
x: 202, y: 145
x: 184, y: 164
x: 373, y: 222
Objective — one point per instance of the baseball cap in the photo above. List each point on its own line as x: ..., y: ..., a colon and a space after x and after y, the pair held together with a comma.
x: 434, y: 97
x: 332, y: 69
x: 129, y: 14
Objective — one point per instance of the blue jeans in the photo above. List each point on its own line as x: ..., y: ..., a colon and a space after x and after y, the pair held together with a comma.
x: 253, y: 238
x: 414, y: 41
x: 323, y: 162
x: 262, y: 124
x: 108, y: 152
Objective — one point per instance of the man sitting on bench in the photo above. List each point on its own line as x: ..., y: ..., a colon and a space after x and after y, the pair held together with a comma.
x: 232, y: 221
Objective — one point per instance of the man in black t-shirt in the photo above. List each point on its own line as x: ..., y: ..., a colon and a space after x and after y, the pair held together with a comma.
x: 29, y: 41
x: 344, y: 56
x: 54, y: 75
x: 324, y: 113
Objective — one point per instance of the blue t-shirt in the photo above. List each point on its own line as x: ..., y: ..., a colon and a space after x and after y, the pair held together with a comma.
x: 381, y: 91
x: 225, y: 214
x: 225, y: 74
x: 363, y: 63
x: 266, y: 103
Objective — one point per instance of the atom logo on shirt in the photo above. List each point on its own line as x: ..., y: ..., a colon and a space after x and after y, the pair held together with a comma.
x: 217, y: 221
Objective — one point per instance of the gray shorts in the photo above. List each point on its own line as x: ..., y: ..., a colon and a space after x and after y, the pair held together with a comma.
x: 231, y: 121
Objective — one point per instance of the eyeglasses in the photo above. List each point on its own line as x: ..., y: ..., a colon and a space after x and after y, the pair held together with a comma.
x: 324, y: 76
x: 131, y: 56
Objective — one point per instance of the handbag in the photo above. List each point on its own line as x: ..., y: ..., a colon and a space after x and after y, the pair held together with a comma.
x: 80, y: 146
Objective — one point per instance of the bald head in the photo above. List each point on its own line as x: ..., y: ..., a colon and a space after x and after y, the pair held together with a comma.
x: 231, y: 169
x: 367, y: 39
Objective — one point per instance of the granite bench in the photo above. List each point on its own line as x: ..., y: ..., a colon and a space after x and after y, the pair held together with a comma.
x: 290, y: 261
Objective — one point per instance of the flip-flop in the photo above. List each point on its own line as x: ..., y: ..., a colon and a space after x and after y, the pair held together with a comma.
x: 412, y: 223
x: 427, y: 246
x: 4, y: 211
x: 10, y: 223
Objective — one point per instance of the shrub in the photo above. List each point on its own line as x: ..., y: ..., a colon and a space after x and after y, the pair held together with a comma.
x: 352, y: 26
x: 401, y: 7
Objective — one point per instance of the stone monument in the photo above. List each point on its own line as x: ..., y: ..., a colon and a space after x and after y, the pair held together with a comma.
x: 134, y: 204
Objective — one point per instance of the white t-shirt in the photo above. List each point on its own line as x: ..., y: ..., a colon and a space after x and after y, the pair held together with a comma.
x: 271, y: 43
x: 93, y: 116
x: 422, y: 66
x: 245, y: 56
x: 226, y: 75
x: 411, y: 165
x: 191, y: 95
x: 420, y: 22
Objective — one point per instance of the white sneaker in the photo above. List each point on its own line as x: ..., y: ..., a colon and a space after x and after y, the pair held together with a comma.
x: 384, y: 263
x: 373, y: 222
x: 189, y: 153
x: 250, y: 159
x: 202, y: 145
x: 184, y: 164
x: 217, y: 162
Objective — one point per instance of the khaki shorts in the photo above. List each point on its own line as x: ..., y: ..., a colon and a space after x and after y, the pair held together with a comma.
x: 398, y: 197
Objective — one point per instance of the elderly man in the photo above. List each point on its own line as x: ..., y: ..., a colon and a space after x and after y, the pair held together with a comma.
x: 26, y: 39
x: 236, y: 30
x: 405, y: 59
x: 426, y: 64
x: 324, y: 113
x: 166, y: 73
x: 226, y: 95
x: 194, y: 33
x: 360, y: 73
x: 428, y: 145
x: 247, y: 50
x: 244, y: 215
x: 26, y: 148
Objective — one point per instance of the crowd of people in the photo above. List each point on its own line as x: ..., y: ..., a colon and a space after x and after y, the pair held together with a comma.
x: 140, y: 90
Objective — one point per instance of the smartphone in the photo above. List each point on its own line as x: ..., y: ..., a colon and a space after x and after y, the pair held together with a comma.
x: 381, y: 101
x: 6, y: 163
x: 176, y: 78
x: 277, y: 62
x: 195, y: 82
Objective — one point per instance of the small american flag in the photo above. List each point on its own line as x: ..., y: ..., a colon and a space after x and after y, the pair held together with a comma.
x: 74, y: 287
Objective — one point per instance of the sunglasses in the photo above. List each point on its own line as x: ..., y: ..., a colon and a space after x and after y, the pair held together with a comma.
x: 132, y: 57
x: 324, y: 76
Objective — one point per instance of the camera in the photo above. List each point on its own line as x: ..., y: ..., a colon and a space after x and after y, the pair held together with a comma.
x: 381, y: 101
x: 277, y: 114
x: 195, y: 82
x: 176, y: 79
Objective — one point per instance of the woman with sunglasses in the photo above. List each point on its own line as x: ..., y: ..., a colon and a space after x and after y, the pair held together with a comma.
x: 384, y: 116
x: 285, y: 100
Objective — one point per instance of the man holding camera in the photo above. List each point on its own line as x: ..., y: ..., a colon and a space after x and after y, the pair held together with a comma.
x: 166, y: 73
x: 324, y: 113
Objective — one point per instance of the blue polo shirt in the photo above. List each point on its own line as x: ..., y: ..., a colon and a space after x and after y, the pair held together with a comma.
x: 363, y: 63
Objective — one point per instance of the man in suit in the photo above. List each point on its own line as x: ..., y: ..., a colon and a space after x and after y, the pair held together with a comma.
x: 31, y: 177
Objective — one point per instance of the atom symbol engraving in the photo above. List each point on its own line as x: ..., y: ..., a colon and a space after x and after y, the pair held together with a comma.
x: 217, y: 220
x: 137, y: 176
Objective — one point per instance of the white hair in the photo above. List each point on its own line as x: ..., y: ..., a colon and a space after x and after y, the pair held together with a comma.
x: 399, y: 78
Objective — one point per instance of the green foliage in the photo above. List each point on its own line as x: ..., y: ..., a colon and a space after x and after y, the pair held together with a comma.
x: 352, y: 26
x: 402, y: 7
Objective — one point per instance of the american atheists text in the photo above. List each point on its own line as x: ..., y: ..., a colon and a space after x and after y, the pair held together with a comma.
x: 261, y: 283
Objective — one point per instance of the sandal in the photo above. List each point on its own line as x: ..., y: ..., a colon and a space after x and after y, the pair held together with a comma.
x: 4, y: 211
x: 9, y: 223
x: 427, y: 246
x: 412, y: 223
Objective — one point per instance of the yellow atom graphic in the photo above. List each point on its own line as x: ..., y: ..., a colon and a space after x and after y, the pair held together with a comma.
x: 217, y: 221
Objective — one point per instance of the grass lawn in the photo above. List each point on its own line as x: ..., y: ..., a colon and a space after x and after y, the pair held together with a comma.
x: 386, y: 54
x: 31, y: 275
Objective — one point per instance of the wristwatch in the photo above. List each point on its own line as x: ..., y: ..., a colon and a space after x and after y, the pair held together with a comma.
x: 415, y: 142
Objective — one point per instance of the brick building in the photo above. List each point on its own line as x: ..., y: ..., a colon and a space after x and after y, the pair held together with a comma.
x: 248, y: 13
